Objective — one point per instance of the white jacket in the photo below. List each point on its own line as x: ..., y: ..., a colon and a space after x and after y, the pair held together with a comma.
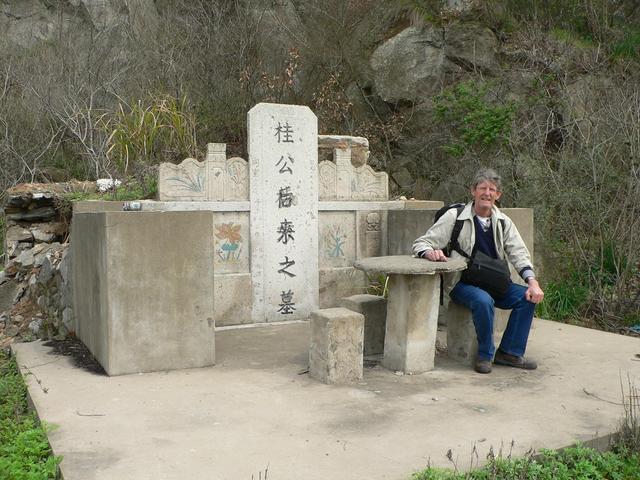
x: 509, y: 243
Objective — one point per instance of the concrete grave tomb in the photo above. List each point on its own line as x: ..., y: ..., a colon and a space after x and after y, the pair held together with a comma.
x: 280, y: 234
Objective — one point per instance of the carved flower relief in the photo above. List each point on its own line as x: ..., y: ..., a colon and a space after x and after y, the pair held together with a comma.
x: 327, y: 177
x: 236, y: 179
x: 368, y: 184
x: 188, y: 176
x: 373, y: 222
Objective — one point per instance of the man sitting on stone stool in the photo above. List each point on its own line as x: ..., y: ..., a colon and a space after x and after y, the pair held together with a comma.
x: 485, y: 229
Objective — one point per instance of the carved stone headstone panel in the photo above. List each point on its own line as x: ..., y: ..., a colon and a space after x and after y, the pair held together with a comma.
x: 186, y: 181
x: 367, y: 184
x: 327, y: 180
x: 342, y: 181
x: 283, y: 156
x: 236, y: 182
x: 215, y: 179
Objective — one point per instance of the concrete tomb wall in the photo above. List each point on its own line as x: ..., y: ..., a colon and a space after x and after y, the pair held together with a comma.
x: 143, y: 289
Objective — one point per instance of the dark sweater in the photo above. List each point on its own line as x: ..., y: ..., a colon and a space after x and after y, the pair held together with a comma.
x: 484, y: 240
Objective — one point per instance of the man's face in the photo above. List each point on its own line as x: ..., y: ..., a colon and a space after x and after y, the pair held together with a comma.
x: 485, y: 195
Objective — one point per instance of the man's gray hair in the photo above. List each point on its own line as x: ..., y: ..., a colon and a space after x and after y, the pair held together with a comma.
x: 487, y: 174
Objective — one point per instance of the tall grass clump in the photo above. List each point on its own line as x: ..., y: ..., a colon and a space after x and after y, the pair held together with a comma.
x: 151, y: 131
x: 628, y: 436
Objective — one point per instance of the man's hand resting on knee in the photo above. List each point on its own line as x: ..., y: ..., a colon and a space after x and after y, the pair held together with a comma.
x: 534, y: 293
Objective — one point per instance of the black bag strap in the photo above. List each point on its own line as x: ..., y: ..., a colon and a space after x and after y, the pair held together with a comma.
x: 457, y: 228
x: 453, y: 244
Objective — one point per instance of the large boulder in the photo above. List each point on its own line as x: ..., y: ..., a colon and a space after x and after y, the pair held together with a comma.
x: 409, y: 65
x: 472, y: 47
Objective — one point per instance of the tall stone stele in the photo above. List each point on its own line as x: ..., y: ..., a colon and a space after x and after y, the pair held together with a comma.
x: 283, y: 164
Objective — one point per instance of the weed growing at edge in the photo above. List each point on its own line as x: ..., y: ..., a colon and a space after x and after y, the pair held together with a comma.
x: 568, y: 464
x: 579, y: 462
x: 24, y: 450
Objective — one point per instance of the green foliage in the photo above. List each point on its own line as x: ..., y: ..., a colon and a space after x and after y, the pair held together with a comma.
x: 589, y: 20
x: 378, y: 285
x: 611, y: 261
x: 570, y: 36
x: 569, y: 464
x: 158, y: 129
x: 24, y: 450
x: 563, y: 299
x: 474, y: 121
x: 628, y: 46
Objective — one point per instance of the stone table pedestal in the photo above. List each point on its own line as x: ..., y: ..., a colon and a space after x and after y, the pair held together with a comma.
x: 412, y: 308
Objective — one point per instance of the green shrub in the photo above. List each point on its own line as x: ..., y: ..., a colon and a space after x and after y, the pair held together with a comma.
x: 562, y: 300
x: 24, y: 450
x: 571, y: 37
x: 473, y: 119
x: 588, y: 19
x: 628, y: 46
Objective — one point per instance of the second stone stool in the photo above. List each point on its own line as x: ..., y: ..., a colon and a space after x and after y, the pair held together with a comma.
x: 374, y: 309
x: 335, y: 354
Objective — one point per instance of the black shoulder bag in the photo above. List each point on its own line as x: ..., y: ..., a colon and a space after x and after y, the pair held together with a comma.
x: 490, y: 274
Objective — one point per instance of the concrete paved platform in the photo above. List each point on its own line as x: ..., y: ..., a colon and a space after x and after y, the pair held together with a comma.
x: 255, y: 414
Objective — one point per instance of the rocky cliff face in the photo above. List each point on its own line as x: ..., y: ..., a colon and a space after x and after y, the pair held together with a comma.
x: 27, y: 23
x: 413, y: 65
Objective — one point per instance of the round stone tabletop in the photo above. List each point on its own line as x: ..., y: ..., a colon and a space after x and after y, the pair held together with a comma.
x: 407, y: 265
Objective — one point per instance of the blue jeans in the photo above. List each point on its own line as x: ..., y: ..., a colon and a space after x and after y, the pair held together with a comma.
x: 481, y: 304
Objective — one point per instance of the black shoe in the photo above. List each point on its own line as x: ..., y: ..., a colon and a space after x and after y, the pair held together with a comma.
x: 482, y: 365
x: 502, y: 358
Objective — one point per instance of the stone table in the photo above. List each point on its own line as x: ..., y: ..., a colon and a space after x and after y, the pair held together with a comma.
x: 412, y: 309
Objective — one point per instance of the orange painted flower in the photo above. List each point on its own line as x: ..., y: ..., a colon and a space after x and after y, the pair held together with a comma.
x: 229, y: 231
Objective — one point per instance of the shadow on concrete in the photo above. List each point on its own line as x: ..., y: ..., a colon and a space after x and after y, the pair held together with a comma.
x: 79, y: 354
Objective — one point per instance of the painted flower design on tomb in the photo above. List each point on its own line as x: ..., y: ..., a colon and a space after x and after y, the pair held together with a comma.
x: 334, y: 240
x: 230, y: 246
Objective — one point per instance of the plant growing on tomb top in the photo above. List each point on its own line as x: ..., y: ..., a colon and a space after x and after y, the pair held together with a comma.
x: 151, y: 131
x: 473, y: 120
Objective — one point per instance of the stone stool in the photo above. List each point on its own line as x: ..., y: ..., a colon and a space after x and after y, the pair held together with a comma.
x: 374, y: 309
x: 337, y: 336
x: 462, y: 341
